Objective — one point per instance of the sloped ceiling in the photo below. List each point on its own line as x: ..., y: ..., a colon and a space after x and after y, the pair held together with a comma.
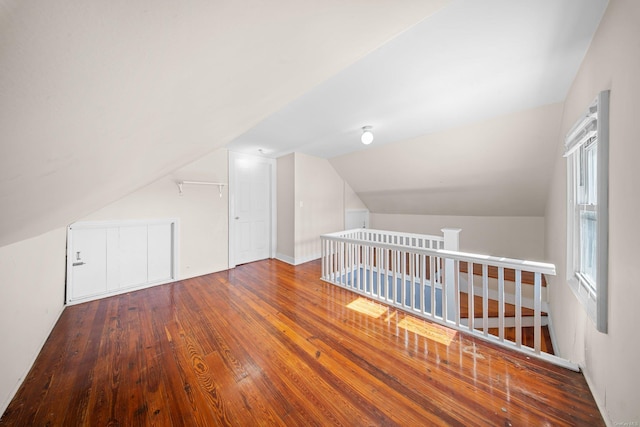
x: 499, y: 167
x: 99, y: 98
x: 464, y: 108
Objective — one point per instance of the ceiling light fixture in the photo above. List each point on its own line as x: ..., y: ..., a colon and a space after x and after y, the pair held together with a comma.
x: 367, y: 135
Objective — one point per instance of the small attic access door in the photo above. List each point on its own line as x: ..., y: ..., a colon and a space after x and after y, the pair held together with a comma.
x: 109, y: 258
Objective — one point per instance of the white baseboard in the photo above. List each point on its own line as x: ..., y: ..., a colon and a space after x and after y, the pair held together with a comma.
x: 599, y: 403
x: 552, y: 333
x: 298, y: 261
x: 285, y: 258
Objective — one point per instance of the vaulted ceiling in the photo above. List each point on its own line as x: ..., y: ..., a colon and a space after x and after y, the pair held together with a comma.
x: 101, y: 98
x: 465, y: 108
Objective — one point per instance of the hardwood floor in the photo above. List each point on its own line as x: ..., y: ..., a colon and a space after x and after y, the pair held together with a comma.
x: 270, y: 344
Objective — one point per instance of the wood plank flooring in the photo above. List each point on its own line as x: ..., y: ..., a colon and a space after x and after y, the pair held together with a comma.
x: 270, y: 344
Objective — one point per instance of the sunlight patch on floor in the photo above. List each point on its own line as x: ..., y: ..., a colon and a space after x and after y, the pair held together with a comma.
x: 431, y: 331
x: 368, y: 307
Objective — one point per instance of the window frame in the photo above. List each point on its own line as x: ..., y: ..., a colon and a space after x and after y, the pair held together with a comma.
x: 591, y: 130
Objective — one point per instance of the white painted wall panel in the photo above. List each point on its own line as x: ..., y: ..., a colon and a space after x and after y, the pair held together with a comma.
x: 113, y: 268
x: 132, y: 256
x: 160, y: 253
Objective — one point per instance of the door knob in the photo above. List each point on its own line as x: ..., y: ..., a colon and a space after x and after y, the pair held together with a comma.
x: 237, y: 217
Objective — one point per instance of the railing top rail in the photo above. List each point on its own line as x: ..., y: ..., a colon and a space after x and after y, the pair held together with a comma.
x: 516, y: 264
x: 390, y: 233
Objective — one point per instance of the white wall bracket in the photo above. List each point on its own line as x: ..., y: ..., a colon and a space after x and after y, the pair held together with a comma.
x: 182, y: 183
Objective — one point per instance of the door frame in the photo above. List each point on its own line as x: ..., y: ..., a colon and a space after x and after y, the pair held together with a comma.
x: 233, y: 156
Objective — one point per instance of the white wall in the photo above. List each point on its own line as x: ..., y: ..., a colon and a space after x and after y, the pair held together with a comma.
x: 609, y: 361
x: 101, y: 98
x: 319, y: 204
x: 351, y: 199
x: 499, y: 166
x: 286, y: 211
x: 32, y: 274
x: 312, y: 198
x: 202, y: 213
x: 512, y: 237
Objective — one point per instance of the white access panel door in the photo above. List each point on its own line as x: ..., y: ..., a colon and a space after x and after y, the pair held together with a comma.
x: 132, y: 254
x: 108, y: 258
x: 252, y: 209
x: 89, y: 262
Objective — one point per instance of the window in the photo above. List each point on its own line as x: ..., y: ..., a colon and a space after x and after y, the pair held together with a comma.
x: 587, y: 153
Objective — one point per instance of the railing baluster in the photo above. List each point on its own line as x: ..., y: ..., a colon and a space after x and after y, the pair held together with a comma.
x: 350, y: 280
x: 324, y: 258
x: 423, y: 283
x: 471, y: 312
x: 405, y: 270
x: 385, y: 260
x: 355, y: 271
x: 412, y: 277
x: 501, y: 303
x: 361, y: 259
x: 348, y: 275
x: 443, y: 284
x: 415, y: 281
x: 370, y: 258
x: 330, y: 261
x: 403, y: 285
x: 537, y: 311
x: 340, y: 269
x: 346, y: 264
x: 356, y: 255
x: 485, y: 299
x: 518, y: 308
x: 359, y: 264
x: 392, y: 291
x: 456, y: 288
x: 379, y: 267
x: 432, y: 279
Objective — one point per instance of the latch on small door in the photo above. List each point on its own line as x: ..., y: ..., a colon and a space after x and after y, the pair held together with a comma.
x: 78, y: 260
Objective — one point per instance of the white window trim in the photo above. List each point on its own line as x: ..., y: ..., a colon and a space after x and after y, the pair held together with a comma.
x: 593, y: 298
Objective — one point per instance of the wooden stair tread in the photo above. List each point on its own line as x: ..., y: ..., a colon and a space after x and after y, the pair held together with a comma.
x: 509, y: 273
x: 509, y: 309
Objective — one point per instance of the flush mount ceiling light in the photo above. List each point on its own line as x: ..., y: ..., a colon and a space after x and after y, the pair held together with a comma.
x: 367, y: 135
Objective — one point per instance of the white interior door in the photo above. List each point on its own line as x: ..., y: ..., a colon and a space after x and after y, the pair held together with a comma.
x: 251, y: 208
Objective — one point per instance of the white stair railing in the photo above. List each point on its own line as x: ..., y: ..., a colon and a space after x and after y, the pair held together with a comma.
x: 415, y: 273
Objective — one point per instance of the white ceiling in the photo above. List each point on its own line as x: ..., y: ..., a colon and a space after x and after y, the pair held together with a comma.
x: 471, y: 61
x: 99, y: 98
